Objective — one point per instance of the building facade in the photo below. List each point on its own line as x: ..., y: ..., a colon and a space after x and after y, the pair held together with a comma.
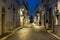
x: 54, y: 16
x: 57, y: 18
x: 9, y: 16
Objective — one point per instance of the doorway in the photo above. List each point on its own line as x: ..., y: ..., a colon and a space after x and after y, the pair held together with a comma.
x: 3, y: 19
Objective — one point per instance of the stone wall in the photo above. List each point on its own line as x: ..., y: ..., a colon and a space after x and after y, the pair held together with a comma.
x: 59, y: 11
x: 0, y: 17
x: 11, y: 16
x: 57, y: 30
x: 57, y: 27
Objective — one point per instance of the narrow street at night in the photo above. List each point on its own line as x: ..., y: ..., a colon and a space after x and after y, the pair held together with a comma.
x: 29, y: 19
x: 32, y: 33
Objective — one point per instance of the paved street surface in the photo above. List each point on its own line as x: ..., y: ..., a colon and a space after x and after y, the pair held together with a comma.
x: 32, y: 33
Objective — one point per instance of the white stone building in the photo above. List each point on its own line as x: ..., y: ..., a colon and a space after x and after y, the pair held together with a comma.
x: 57, y: 27
x: 9, y: 16
x: 59, y: 12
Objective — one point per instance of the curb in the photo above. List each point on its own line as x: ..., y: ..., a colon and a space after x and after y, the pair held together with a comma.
x: 4, y: 38
x: 53, y: 34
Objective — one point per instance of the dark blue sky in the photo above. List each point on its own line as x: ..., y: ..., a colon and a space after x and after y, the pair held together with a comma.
x: 32, y: 4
